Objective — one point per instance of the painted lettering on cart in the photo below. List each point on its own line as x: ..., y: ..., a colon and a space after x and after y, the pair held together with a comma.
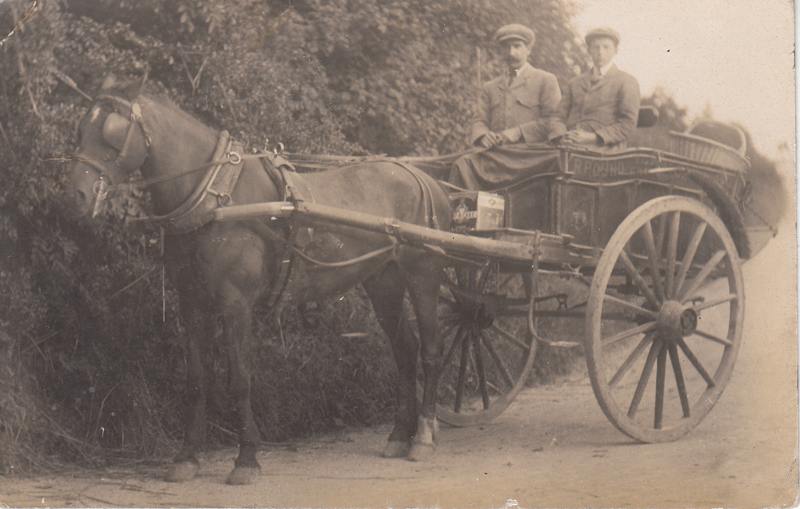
x: 612, y: 167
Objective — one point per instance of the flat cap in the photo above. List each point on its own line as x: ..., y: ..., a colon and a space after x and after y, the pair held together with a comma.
x: 602, y: 32
x: 515, y: 31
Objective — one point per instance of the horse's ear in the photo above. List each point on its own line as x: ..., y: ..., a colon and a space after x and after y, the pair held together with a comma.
x: 108, y: 82
x: 137, y: 88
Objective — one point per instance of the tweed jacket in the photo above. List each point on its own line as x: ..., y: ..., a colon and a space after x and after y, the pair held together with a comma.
x: 609, y: 107
x: 530, y: 102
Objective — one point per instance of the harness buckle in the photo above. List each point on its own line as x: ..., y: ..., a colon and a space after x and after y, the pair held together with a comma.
x: 234, y: 157
x: 100, y: 189
x: 224, y: 199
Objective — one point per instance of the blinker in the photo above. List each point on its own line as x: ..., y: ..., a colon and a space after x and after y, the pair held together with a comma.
x: 115, y: 129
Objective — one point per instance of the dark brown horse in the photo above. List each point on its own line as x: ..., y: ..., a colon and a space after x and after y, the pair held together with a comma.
x: 222, y: 269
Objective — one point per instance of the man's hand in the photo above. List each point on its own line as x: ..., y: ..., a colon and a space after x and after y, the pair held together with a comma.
x: 490, y: 139
x: 581, y: 137
x: 511, y: 135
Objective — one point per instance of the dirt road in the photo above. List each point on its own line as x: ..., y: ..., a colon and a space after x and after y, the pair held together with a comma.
x: 552, y: 448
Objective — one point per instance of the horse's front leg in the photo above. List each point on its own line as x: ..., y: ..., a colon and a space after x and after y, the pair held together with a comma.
x: 199, y: 323
x: 423, y: 286
x: 236, y: 291
x: 237, y: 319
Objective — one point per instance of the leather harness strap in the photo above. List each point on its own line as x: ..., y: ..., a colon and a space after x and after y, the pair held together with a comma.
x: 427, y: 193
x: 215, y: 189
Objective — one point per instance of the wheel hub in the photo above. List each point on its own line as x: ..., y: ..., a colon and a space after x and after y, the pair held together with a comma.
x: 676, y: 319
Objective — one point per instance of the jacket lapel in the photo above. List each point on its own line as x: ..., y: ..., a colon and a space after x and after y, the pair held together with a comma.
x: 609, y: 76
x: 586, y: 81
x: 524, y: 75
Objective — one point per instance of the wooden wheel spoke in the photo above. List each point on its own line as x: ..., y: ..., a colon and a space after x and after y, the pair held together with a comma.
x: 655, y: 348
x: 448, y: 299
x: 660, y: 378
x: 632, y: 358
x: 512, y: 307
x: 687, y: 293
x: 679, y: 381
x: 516, y: 342
x: 631, y: 306
x: 447, y: 319
x: 691, y: 251
x: 639, y: 329
x: 696, y: 363
x: 712, y: 337
x: 653, y: 256
x: 498, y: 361
x: 638, y: 279
x: 476, y: 349
x: 661, y: 233
x: 672, y: 254
x: 462, y: 372
x: 715, y: 302
x: 459, y: 337
x: 495, y: 388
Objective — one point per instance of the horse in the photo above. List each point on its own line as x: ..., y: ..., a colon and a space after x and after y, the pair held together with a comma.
x: 222, y: 269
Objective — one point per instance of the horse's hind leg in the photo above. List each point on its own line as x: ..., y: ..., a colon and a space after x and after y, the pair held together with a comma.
x: 386, y: 291
x: 423, y: 288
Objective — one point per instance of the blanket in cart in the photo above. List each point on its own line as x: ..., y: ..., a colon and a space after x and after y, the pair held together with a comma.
x: 501, y: 166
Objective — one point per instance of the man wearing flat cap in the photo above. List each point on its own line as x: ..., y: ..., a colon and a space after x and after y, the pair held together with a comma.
x: 519, y: 105
x: 600, y: 107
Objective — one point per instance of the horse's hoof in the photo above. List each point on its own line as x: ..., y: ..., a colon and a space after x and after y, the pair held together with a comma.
x: 421, y: 452
x: 243, y: 475
x: 396, y: 449
x: 182, y: 471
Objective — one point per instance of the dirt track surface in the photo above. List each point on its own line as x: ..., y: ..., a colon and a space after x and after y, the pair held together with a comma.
x: 552, y: 448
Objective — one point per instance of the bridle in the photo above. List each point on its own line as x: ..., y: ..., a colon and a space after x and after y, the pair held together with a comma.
x: 103, y: 183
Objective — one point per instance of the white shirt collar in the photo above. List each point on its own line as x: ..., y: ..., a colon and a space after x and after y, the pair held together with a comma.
x: 604, y: 69
x: 521, y: 69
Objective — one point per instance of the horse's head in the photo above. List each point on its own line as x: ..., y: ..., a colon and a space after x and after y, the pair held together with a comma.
x: 112, y: 144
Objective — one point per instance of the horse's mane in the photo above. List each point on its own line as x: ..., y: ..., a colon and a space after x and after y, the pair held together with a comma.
x: 133, y: 89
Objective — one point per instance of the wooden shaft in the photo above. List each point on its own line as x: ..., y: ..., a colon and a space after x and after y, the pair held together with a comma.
x: 415, y: 234
x: 253, y: 210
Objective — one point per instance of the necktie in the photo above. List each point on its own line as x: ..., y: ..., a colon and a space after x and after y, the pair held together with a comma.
x: 512, y: 73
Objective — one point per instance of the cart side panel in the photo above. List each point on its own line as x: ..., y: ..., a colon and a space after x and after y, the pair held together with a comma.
x: 591, y: 211
x: 529, y: 206
x: 579, y: 212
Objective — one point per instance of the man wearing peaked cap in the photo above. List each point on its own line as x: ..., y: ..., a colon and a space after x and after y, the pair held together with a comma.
x: 515, y: 31
x: 600, y: 107
x: 601, y: 32
x: 518, y: 105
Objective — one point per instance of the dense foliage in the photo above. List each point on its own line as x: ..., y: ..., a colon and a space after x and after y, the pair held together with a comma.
x: 90, y: 343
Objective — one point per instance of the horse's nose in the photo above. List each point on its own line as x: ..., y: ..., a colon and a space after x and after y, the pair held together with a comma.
x: 80, y: 197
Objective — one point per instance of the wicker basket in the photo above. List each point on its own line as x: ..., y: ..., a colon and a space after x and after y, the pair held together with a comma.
x: 707, y: 151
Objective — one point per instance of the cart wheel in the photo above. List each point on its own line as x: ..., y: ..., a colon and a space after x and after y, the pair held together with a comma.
x: 672, y: 266
x: 485, y: 321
